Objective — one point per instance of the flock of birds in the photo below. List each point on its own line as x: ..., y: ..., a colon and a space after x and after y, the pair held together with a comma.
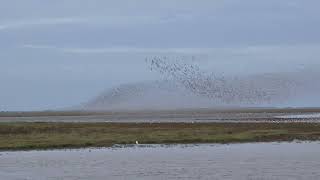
x: 227, y: 90
x: 141, y: 95
x: 186, y: 85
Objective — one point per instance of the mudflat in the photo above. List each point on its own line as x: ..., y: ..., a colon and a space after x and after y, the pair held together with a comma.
x: 165, y: 116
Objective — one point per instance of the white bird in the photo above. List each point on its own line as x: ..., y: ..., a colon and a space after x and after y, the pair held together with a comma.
x: 137, y: 142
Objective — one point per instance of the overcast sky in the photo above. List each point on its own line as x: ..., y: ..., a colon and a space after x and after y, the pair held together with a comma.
x: 63, y: 52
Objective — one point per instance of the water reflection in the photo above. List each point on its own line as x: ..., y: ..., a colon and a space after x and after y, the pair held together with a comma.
x: 235, y: 161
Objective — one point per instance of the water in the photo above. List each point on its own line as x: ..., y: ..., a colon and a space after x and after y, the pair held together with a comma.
x: 235, y: 161
x: 300, y: 116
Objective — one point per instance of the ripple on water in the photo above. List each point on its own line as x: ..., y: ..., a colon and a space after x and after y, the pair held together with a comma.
x: 197, y: 161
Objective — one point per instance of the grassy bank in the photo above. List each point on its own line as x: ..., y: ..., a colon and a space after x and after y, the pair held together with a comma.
x: 15, y: 136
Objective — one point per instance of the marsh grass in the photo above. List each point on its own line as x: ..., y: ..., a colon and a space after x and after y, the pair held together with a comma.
x: 16, y: 136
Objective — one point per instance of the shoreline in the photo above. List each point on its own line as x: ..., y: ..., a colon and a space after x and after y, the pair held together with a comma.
x: 178, y: 145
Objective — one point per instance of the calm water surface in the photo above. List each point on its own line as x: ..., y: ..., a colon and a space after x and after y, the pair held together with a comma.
x: 235, y: 161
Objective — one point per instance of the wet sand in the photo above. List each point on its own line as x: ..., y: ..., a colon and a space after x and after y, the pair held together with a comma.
x: 194, y: 116
x: 236, y: 161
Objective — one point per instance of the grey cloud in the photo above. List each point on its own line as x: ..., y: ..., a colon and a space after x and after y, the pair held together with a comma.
x: 60, y: 48
x: 107, y: 21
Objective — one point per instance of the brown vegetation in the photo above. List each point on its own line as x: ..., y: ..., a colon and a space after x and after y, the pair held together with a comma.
x: 14, y: 136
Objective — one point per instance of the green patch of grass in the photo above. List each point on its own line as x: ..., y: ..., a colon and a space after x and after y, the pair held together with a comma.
x: 14, y: 136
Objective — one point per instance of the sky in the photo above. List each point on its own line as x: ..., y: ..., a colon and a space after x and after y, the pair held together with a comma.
x: 56, y: 54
